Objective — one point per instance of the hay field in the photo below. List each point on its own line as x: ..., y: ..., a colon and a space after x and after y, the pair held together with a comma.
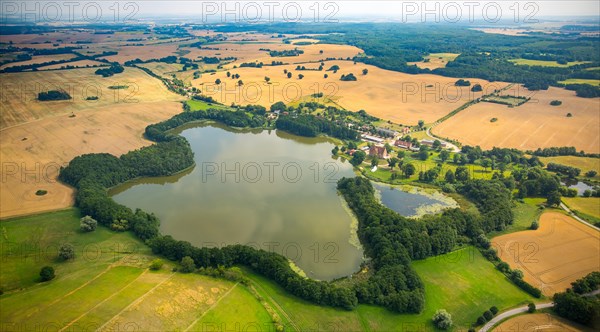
x: 539, y: 322
x: 145, y: 52
x: 532, y: 125
x: 561, y: 251
x: 32, y: 153
x: 395, y: 96
x: 39, y: 59
x: 436, y: 60
x: 19, y: 93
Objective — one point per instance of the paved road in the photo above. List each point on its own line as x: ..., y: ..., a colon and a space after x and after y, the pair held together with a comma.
x: 511, y: 313
x: 448, y: 144
x: 572, y: 214
x: 521, y: 310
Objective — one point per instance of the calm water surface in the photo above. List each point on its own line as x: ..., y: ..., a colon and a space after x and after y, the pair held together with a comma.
x: 267, y: 189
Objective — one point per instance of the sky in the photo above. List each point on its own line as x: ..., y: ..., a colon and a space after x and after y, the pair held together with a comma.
x: 499, y: 11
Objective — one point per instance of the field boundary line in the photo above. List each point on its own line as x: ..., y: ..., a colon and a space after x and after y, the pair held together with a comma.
x: 285, y: 314
x: 103, y: 301
x: 138, y: 300
x: 211, y: 307
x: 108, y: 268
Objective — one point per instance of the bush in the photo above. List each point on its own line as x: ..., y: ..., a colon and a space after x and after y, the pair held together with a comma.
x: 47, y: 273
x: 481, y: 320
x: 476, y: 88
x: 534, y: 225
x: 591, y: 173
x: 556, y: 103
x: 88, y: 224
x: 41, y: 192
x: 488, y: 315
x: 531, y: 308
x: 66, y: 251
x: 187, y: 265
x: 156, y: 264
x: 494, y: 310
x: 442, y: 319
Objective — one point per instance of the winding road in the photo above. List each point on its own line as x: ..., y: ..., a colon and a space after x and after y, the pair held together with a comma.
x: 448, y: 144
x: 489, y: 325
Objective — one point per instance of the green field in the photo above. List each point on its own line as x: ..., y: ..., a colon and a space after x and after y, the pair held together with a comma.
x: 581, y: 81
x: 586, y: 207
x: 199, y: 105
x: 525, y: 214
x: 462, y: 282
x: 583, y: 163
x: 543, y: 63
x: 107, y: 285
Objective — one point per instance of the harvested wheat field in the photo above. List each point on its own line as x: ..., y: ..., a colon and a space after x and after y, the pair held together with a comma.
x: 144, y: 52
x: 32, y: 154
x: 535, y: 124
x: 539, y: 322
x: 390, y: 95
x: 19, y: 93
x: 561, y: 251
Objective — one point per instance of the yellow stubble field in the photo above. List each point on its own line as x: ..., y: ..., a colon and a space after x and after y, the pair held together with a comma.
x: 559, y: 252
x: 19, y: 92
x: 535, y: 124
x: 390, y: 95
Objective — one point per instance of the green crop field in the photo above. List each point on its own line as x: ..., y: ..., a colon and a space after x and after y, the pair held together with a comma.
x: 107, y: 285
x: 199, y: 105
x: 544, y: 63
x: 581, y: 81
x: 462, y: 282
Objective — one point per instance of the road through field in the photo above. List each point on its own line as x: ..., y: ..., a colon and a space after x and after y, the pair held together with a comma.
x: 513, y: 312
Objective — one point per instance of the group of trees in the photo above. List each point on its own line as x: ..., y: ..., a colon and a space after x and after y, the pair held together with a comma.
x: 561, y: 151
x: 571, y: 172
x: 311, y: 126
x: 114, y: 68
x: 487, y: 315
x: 53, y: 95
x: 573, y: 306
x: 284, y: 53
x: 392, y: 241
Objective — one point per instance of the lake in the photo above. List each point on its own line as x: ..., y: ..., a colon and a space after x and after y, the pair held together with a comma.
x: 266, y: 189
x: 412, y: 202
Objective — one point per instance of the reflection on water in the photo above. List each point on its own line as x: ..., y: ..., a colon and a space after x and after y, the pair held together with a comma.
x: 579, y: 185
x: 270, y: 190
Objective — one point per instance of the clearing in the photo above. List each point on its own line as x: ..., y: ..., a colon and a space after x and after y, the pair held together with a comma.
x: 435, y: 60
x: 544, y: 63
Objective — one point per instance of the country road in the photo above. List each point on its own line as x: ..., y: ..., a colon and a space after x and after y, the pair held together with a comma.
x: 511, y: 313
x: 572, y: 214
x: 448, y: 144
x: 489, y: 325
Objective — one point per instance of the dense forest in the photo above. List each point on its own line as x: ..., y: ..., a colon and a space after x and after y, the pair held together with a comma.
x: 311, y: 126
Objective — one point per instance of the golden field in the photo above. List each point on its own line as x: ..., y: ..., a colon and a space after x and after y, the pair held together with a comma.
x: 19, y: 93
x: 399, y: 97
x: 559, y: 252
x: 535, y: 124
